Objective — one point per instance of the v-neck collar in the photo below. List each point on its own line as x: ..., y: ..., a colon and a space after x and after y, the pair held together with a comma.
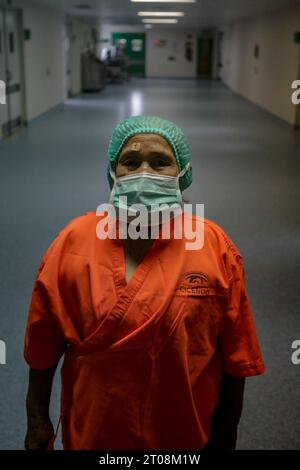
x: 143, y: 267
x: 126, y: 292
x: 140, y: 272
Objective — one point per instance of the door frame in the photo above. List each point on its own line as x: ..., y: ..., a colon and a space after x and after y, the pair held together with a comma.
x: 23, y: 111
x: 200, y: 40
x: 133, y: 64
x: 67, y: 34
x: 297, y: 111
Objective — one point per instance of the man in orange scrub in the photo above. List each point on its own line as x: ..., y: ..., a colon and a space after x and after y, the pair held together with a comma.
x: 157, y: 339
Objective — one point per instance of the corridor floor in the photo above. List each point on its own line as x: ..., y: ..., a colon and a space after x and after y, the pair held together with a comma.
x: 246, y: 166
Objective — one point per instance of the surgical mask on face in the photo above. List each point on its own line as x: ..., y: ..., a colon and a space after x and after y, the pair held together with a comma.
x: 149, y: 189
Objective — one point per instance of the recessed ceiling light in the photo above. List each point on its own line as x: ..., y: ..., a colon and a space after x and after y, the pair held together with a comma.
x: 155, y: 20
x: 160, y: 13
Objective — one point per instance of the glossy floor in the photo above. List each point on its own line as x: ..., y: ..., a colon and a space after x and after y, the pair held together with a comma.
x: 246, y: 172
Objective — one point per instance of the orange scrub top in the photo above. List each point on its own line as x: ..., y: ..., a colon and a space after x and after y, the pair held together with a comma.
x: 143, y: 361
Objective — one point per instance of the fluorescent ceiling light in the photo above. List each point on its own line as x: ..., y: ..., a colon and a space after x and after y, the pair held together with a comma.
x: 160, y: 13
x: 155, y: 20
x: 165, y: 1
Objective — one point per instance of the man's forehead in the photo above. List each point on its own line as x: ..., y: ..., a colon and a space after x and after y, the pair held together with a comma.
x: 137, y: 141
x: 136, y: 146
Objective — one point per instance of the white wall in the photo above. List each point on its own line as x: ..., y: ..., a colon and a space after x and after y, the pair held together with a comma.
x: 81, y: 41
x: 44, y: 55
x: 267, y: 80
x: 157, y: 58
x: 157, y: 63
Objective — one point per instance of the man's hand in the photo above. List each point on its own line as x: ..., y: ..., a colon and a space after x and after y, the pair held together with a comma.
x: 39, y: 432
x: 39, y: 427
x: 227, y: 415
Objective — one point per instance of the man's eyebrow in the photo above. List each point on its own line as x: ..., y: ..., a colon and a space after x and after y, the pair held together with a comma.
x: 153, y: 153
x: 161, y: 153
x: 129, y: 153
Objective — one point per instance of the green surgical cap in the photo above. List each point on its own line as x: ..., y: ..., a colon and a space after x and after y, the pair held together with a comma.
x: 151, y: 125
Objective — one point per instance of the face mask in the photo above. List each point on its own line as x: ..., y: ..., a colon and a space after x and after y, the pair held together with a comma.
x: 148, y: 189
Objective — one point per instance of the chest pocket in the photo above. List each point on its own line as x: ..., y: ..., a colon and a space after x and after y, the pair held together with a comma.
x: 196, y: 321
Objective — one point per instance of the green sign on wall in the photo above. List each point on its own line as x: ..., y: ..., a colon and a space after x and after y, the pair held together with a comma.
x: 133, y: 45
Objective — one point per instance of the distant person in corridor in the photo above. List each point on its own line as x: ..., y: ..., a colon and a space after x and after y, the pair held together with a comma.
x: 152, y: 360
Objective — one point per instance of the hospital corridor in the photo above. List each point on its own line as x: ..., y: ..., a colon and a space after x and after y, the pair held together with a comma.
x: 79, y: 83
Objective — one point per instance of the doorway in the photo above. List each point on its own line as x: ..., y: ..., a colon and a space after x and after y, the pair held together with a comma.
x: 205, y: 57
x: 133, y: 46
x: 12, y: 115
x: 67, y: 60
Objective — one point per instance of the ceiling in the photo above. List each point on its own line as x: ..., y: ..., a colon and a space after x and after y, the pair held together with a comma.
x: 203, y: 13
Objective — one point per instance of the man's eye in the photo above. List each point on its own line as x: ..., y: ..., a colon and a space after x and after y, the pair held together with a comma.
x: 129, y: 163
x: 161, y: 163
